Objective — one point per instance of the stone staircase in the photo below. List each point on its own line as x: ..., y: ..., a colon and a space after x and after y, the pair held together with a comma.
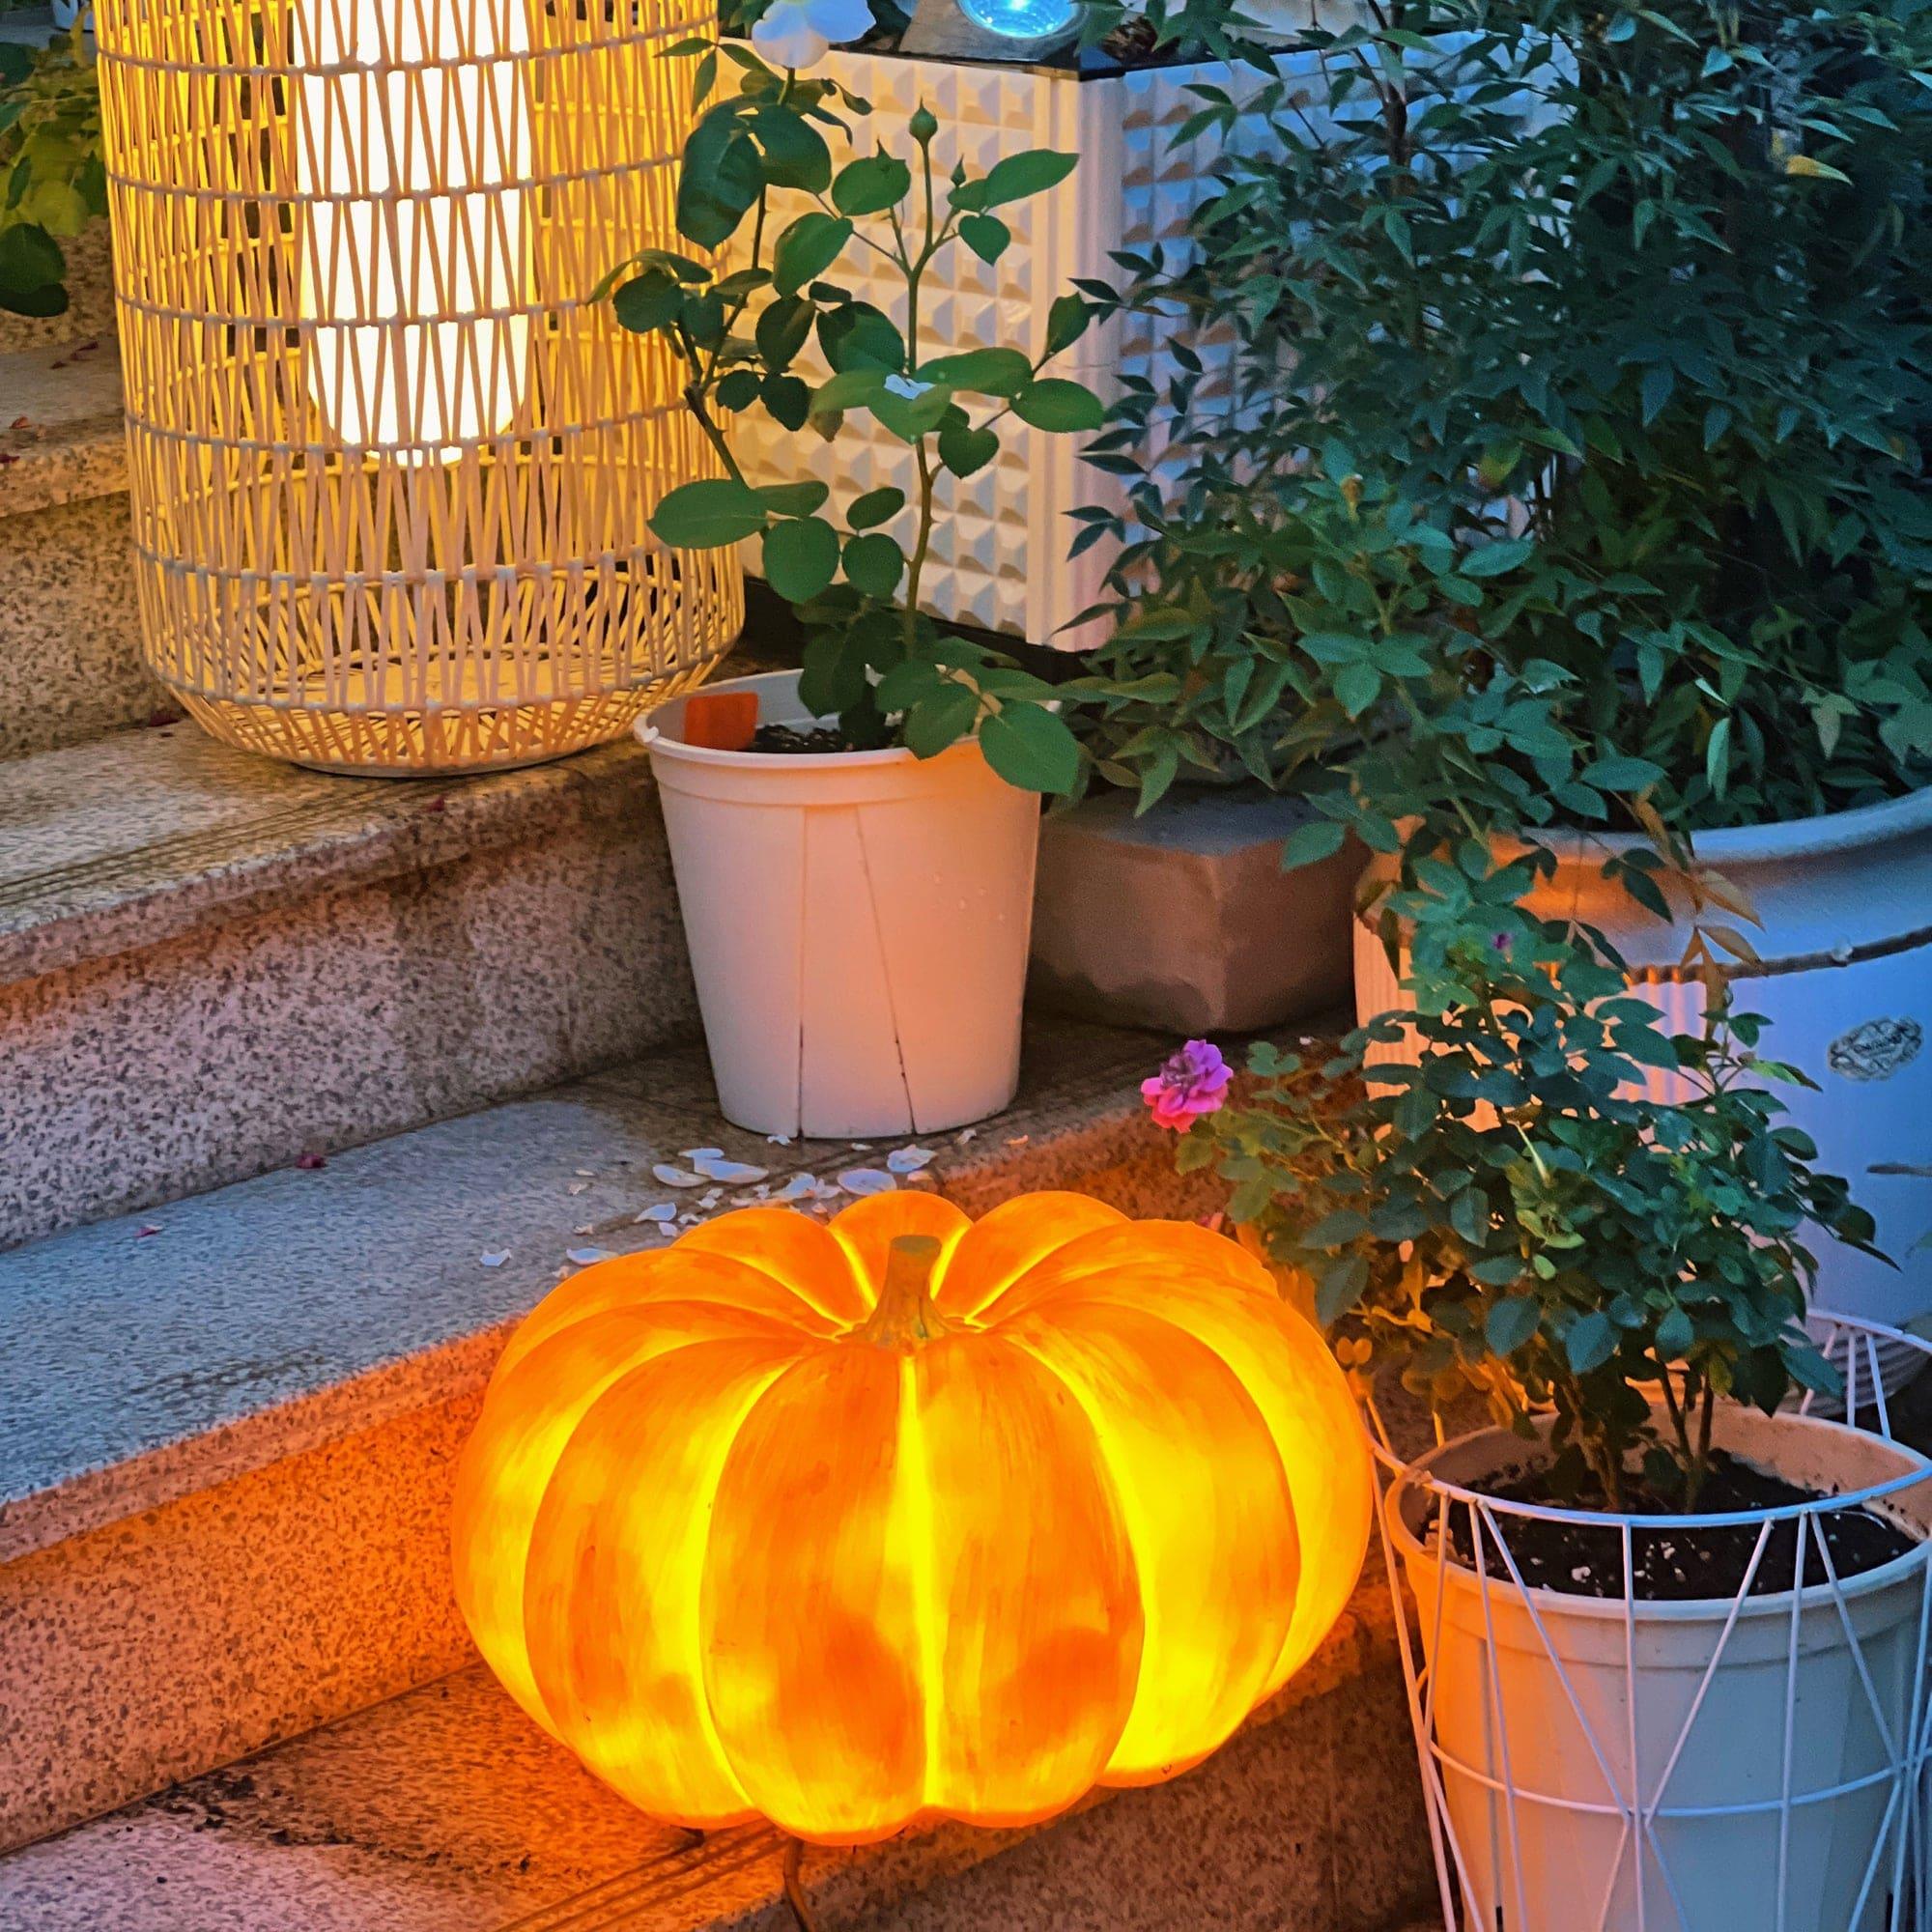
x: 309, y: 1089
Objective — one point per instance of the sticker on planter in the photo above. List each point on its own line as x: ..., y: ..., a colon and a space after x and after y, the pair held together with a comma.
x: 1876, y: 1049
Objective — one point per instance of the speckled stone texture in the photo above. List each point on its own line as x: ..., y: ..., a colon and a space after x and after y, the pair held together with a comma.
x: 448, y: 1811
x: 71, y: 665
x: 211, y: 964
x: 230, y: 1425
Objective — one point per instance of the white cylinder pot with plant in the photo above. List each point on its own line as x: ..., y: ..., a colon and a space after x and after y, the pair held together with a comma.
x: 1597, y: 1759
x: 854, y: 843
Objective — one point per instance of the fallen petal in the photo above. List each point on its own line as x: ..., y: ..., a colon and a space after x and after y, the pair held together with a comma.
x: 583, y: 1257
x: 495, y: 1258
x: 909, y: 1160
x: 677, y: 1177
x: 864, y: 1181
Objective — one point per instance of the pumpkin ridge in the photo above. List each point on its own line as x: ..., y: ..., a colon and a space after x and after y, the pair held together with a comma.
x: 1140, y: 1523
x: 699, y: 1497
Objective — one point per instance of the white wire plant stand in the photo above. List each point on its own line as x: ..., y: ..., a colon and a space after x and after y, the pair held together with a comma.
x: 1749, y: 1763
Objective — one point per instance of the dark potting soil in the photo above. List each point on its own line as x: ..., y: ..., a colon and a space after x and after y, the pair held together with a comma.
x: 1675, y: 1565
x: 786, y: 738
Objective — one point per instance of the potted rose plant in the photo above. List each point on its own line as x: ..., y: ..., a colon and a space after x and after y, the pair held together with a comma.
x: 854, y: 843
x: 1581, y: 355
x: 1671, y: 1628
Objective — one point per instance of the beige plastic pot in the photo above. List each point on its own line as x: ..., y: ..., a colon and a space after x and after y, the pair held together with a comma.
x: 1625, y: 1767
x: 858, y: 924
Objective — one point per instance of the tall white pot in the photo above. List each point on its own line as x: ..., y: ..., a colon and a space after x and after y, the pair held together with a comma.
x: 858, y: 924
x: 1846, y: 980
x: 1674, y: 1767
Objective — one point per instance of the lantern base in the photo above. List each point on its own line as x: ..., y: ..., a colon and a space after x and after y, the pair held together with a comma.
x: 439, y: 742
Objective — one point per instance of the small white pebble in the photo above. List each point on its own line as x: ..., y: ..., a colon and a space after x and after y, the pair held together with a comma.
x: 677, y: 1177
x: 864, y: 1181
x: 909, y: 1160
x: 588, y: 1172
x: 861, y: 1146
x: 661, y: 1211
x: 583, y: 1257
x: 495, y: 1258
x: 781, y: 1140
x: 965, y: 1134
x: 579, y: 1186
x: 1580, y: 1575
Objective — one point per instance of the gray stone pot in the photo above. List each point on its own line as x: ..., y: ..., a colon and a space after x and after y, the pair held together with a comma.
x: 1184, y: 920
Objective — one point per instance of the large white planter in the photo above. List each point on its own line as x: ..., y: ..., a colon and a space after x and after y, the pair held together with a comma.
x: 1715, y: 1765
x: 858, y: 924
x: 1846, y: 979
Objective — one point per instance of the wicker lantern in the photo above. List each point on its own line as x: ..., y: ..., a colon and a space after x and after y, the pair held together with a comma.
x: 391, y: 463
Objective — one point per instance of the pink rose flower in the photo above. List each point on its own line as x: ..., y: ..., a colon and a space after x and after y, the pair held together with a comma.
x: 1190, y: 1084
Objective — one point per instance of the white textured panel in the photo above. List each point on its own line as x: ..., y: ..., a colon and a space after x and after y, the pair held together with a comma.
x: 999, y: 558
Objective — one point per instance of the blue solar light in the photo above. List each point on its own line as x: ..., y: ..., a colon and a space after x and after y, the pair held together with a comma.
x: 1020, y: 19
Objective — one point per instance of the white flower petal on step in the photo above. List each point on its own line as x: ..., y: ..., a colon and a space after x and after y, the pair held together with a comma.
x: 715, y: 1167
x: 585, y: 1257
x: 495, y: 1258
x: 695, y: 1155
x: 862, y: 1181
x: 796, y: 1188
x: 909, y: 1160
x: 677, y: 1177
x: 658, y: 1210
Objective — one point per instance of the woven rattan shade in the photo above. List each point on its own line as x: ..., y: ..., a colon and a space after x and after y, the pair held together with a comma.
x: 390, y: 463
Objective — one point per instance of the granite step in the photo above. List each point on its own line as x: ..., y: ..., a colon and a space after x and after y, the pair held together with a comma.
x: 228, y: 1427
x: 211, y: 964
x: 446, y: 1810
x: 70, y: 666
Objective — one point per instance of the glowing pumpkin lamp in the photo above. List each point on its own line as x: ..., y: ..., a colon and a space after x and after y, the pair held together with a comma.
x: 908, y: 1515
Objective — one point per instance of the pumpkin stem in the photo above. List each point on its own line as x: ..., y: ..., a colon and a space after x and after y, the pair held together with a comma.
x: 905, y: 1317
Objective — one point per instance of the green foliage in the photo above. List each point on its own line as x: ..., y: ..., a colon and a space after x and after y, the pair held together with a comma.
x: 52, y: 181
x: 1580, y: 385
x: 760, y: 156
x: 1512, y: 1215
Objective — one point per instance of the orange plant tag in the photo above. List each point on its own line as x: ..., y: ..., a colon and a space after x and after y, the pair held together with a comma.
x: 723, y: 720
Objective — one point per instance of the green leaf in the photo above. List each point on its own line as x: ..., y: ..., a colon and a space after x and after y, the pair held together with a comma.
x: 1016, y: 177
x: 1622, y: 773
x: 987, y: 372
x: 1341, y: 1287
x: 874, y: 564
x: 986, y: 235
x: 720, y: 181
x: 806, y: 249
x: 1809, y: 165
x: 1053, y: 403
x: 1675, y: 1334
x: 941, y: 719
x: 787, y: 399
x: 651, y: 301
x: 870, y: 185
x: 1590, y: 1342
x: 795, y: 152
x: 800, y: 558
x: 1357, y: 686
x: 30, y: 261
x: 707, y: 514
x: 1511, y: 1323
x: 1495, y: 560
x: 849, y: 389
x: 856, y: 335
x: 1067, y: 323
x: 874, y: 508
x: 1309, y: 844
x: 1718, y: 756
x: 963, y: 449
x: 782, y: 330
x: 1032, y: 748
x: 793, y: 499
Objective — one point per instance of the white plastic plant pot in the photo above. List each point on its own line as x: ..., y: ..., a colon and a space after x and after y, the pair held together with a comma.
x: 858, y: 924
x: 1748, y: 1764
x: 1845, y: 978
x: 999, y: 560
